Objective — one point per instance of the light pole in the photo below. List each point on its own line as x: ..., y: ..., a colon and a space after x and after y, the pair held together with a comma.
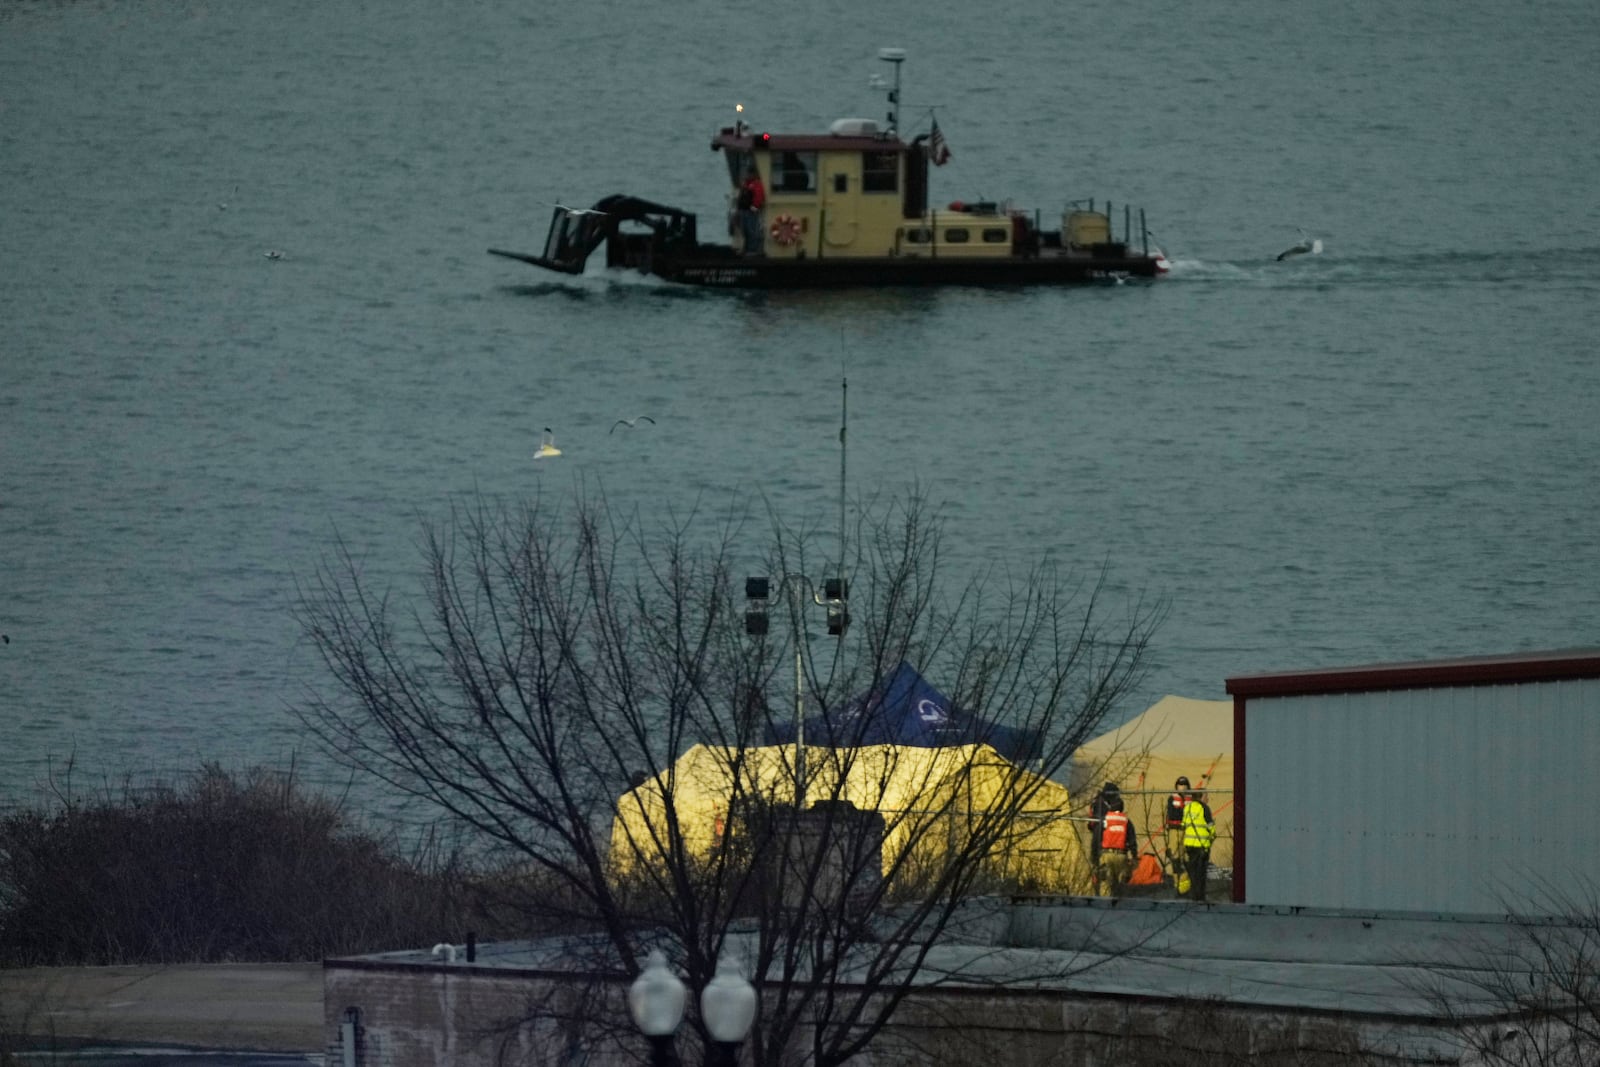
x: 727, y: 1008
x: 834, y: 596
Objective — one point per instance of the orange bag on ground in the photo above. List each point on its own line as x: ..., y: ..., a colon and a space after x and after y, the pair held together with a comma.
x: 1147, y: 871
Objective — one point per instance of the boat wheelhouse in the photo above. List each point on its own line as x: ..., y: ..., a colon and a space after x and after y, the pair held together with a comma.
x: 850, y: 207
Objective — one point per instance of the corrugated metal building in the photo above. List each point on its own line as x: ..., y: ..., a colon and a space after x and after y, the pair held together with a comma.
x: 1448, y: 786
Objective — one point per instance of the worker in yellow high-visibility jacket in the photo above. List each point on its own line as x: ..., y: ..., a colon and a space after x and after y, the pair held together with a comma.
x: 1199, y: 830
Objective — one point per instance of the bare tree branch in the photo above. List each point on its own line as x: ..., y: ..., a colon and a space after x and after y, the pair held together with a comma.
x: 579, y: 692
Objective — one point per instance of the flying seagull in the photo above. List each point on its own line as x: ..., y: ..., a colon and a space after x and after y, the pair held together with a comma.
x: 1307, y: 244
x: 547, y: 447
x: 629, y: 423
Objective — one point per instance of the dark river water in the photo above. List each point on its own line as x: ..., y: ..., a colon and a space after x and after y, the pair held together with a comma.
x: 1383, y: 452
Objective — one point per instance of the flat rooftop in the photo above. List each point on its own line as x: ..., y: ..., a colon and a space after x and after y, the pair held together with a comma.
x: 1382, y: 965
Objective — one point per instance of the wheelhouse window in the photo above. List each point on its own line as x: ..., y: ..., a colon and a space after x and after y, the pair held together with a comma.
x: 880, y: 172
x: 995, y: 235
x: 794, y: 172
x: 958, y: 236
x: 920, y: 235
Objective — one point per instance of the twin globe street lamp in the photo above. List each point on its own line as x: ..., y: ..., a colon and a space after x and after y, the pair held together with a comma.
x: 657, y: 998
x: 727, y: 1008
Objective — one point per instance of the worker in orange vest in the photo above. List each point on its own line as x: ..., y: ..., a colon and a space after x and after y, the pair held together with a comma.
x: 1174, y: 825
x: 1117, y: 848
x: 1097, y: 809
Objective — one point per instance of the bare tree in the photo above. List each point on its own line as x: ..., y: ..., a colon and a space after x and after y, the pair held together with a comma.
x: 1528, y: 995
x: 560, y: 660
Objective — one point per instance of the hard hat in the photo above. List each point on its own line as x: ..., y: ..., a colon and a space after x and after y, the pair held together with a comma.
x: 1181, y: 781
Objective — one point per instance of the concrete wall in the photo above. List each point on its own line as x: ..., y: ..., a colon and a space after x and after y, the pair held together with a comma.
x: 426, y: 1015
x: 1032, y: 981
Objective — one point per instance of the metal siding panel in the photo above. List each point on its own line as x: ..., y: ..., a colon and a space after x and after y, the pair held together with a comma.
x: 1432, y: 803
x: 1374, y: 870
x: 1584, y: 840
x: 1572, y: 847
x: 1316, y: 865
x: 1456, y: 778
x: 1375, y: 828
x: 1442, y: 813
x: 1471, y: 798
x: 1437, y: 804
x: 1542, y: 776
x: 1501, y: 718
x: 1269, y: 767
x: 1346, y: 807
x: 1508, y: 717
x: 1381, y: 833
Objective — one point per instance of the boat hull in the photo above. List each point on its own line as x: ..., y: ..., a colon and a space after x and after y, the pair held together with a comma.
x: 736, y: 272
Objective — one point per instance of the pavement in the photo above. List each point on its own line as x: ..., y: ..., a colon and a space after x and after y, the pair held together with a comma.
x: 273, y: 1008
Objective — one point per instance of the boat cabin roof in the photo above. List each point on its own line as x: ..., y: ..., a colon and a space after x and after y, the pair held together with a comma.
x: 739, y: 139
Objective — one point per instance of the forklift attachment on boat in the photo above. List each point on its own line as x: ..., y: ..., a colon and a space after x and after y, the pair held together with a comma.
x: 576, y: 232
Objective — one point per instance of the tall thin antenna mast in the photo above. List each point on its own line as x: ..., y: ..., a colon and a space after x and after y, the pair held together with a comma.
x: 896, y: 56
x: 844, y: 417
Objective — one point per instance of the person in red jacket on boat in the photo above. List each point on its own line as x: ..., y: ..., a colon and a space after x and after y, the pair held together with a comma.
x: 752, y: 197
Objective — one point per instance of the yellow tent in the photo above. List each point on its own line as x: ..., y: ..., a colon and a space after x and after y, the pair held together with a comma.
x: 1145, y: 755
x: 924, y: 794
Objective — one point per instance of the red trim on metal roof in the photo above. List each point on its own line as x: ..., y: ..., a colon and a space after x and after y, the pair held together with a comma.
x: 1477, y: 670
x: 1240, y: 801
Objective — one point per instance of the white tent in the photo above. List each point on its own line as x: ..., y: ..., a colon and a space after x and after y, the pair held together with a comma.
x: 1174, y: 736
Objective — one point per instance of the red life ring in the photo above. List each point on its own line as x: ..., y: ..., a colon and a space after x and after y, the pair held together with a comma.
x: 786, y: 229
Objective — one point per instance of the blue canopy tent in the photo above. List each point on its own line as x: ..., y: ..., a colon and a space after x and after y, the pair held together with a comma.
x: 905, y: 709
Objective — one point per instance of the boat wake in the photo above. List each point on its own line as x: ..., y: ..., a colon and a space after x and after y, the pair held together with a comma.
x: 1575, y: 267
x: 570, y: 290
x: 602, y: 283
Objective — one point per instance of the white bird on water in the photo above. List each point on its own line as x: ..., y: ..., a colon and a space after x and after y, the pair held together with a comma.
x: 630, y: 423
x: 547, y: 446
x: 1310, y: 244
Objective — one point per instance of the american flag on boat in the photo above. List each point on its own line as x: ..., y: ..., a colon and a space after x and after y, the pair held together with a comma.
x: 938, y: 151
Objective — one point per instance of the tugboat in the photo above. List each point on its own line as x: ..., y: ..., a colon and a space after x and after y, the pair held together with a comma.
x: 848, y: 208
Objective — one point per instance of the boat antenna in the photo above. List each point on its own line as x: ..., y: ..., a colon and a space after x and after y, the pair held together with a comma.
x: 896, y: 56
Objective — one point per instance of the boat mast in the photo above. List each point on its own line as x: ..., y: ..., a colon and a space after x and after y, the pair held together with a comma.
x: 896, y: 56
